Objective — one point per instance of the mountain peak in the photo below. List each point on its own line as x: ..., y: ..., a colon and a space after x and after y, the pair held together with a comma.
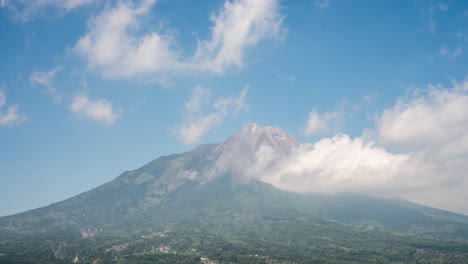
x: 242, y: 151
x: 251, y: 126
x: 252, y: 134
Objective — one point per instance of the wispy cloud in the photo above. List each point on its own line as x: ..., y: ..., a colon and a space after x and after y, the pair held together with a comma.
x: 446, y: 52
x: 116, y: 45
x: 322, y: 3
x: 238, y: 25
x: 443, y: 7
x: 442, y: 51
x: 26, y: 10
x: 100, y: 110
x: 428, y: 16
x: 457, y: 52
x: 428, y: 20
x: 202, y: 114
x: 46, y: 79
x: 10, y: 116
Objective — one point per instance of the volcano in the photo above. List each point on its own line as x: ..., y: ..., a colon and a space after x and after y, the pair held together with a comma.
x: 209, y: 206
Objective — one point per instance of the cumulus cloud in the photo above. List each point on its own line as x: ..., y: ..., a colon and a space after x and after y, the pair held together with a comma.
x: 46, y: 79
x: 419, y: 153
x: 202, y: 114
x: 343, y: 164
x: 99, y: 110
x: 26, y: 10
x: 11, y: 115
x: 430, y: 119
x: 336, y: 164
x: 117, y: 46
x: 114, y: 45
x: 322, y: 123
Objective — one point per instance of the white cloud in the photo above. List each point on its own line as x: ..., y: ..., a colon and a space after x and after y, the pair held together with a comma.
x: 11, y: 115
x: 444, y: 51
x: 443, y: 7
x: 431, y: 119
x: 118, y: 47
x: 322, y: 123
x: 428, y: 20
x: 342, y: 164
x: 430, y: 131
x: 46, y: 79
x: 237, y: 26
x: 114, y: 46
x: 322, y: 3
x: 198, y: 121
x: 26, y: 10
x: 457, y: 52
x: 99, y: 110
x: 336, y: 164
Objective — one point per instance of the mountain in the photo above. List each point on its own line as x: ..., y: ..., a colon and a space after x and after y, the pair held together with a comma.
x: 207, y: 206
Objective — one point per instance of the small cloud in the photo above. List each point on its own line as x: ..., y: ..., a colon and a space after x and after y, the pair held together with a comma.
x: 442, y: 51
x: 3, y: 3
x: 99, y: 110
x: 46, y: 79
x: 198, y: 120
x: 11, y: 116
x: 368, y: 98
x: 428, y: 21
x: 457, y: 52
x: 443, y: 7
x: 321, y: 123
x: 322, y: 3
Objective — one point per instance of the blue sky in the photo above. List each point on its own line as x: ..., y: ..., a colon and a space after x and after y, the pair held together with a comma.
x: 90, y: 89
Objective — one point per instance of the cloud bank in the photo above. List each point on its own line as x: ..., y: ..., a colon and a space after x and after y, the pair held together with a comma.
x: 419, y: 153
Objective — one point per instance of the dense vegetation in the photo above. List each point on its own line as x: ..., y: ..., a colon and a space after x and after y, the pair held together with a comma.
x: 265, y: 240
